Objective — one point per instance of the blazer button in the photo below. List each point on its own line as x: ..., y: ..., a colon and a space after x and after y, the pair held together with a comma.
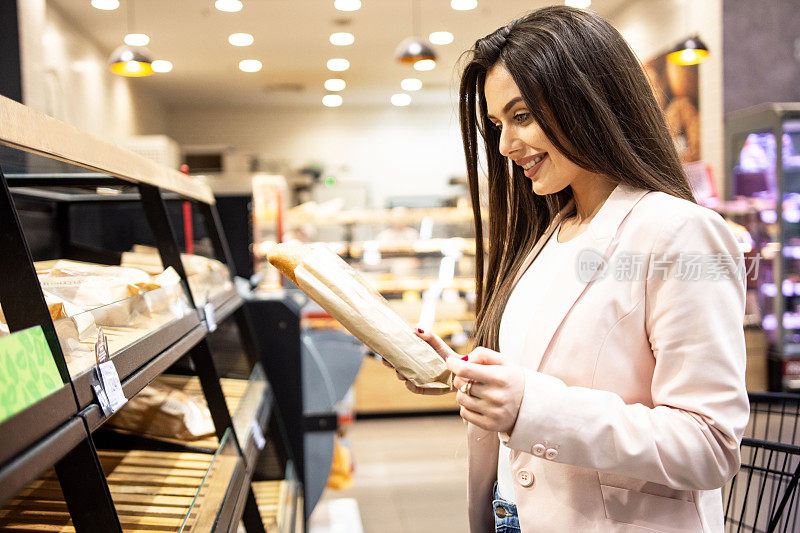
x: 525, y: 477
x: 538, y: 449
x: 551, y: 454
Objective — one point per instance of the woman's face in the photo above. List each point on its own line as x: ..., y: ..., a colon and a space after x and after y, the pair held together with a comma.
x: 521, y: 138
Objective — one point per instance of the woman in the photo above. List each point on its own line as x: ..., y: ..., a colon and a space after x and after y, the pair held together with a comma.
x: 607, y: 390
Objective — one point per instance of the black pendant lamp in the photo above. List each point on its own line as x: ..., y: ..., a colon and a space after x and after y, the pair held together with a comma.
x: 414, y: 49
x: 689, y: 52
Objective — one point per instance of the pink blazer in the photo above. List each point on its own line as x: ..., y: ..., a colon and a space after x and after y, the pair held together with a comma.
x: 635, y: 398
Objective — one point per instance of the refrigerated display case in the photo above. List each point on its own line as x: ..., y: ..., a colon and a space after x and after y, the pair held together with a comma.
x: 763, y: 192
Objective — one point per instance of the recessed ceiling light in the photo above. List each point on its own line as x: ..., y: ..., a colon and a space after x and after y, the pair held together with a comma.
x: 335, y: 84
x: 338, y: 64
x: 105, y: 5
x: 240, y: 39
x: 162, y: 65
x: 582, y: 4
x: 331, y: 100
x: 347, y: 5
x: 250, y: 65
x: 411, y: 84
x: 342, y: 38
x: 401, y: 99
x: 463, y: 5
x: 136, y: 39
x: 229, y: 6
x: 425, y: 64
x: 441, y: 37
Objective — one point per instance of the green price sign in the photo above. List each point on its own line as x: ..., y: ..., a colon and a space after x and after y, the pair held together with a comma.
x: 28, y: 372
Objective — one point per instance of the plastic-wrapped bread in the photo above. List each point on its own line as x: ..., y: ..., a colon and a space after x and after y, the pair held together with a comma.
x: 348, y: 298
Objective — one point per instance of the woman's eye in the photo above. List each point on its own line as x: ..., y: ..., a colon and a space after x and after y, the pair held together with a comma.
x: 521, y: 118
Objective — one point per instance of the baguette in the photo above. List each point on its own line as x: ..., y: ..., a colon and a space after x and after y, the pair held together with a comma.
x: 348, y: 298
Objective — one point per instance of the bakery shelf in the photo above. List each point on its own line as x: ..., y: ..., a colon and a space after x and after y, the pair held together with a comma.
x: 50, y: 162
x: 250, y: 401
x: 34, y: 132
x: 279, y: 503
x: 443, y: 215
x: 152, y: 491
x: 25, y: 428
x: 35, y: 459
x: 139, y: 379
x: 219, y: 502
x: 420, y: 284
x: 130, y: 351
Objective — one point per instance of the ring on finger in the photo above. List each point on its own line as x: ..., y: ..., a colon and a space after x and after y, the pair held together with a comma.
x: 466, y: 388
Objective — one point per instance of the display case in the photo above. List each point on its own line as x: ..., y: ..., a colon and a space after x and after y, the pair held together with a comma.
x: 108, y: 328
x: 763, y: 197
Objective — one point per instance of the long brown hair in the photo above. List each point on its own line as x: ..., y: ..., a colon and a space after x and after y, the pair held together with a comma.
x: 585, y: 88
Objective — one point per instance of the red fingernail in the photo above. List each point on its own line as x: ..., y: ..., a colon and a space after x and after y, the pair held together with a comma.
x: 420, y: 331
x: 465, y: 358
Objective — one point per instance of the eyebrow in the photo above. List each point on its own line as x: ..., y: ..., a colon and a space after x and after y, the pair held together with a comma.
x: 511, y: 103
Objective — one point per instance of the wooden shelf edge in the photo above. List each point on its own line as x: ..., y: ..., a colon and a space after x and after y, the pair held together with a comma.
x: 25, y: 129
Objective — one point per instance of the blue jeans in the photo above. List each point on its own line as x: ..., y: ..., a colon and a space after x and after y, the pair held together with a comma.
x: 505, y: 514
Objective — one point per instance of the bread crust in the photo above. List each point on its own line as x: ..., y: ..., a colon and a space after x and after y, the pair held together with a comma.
x: 286, y: 256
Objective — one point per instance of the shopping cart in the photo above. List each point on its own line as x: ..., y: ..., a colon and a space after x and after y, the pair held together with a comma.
x: 764, y: 496
x: 774, y: 417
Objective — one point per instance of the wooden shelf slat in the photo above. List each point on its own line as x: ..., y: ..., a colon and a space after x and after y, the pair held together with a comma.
x: 147, y: 498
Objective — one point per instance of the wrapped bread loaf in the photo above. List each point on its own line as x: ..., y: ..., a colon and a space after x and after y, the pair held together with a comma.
x: 347, y: 297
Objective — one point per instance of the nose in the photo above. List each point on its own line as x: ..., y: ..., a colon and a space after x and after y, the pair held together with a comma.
x: 507, y: 142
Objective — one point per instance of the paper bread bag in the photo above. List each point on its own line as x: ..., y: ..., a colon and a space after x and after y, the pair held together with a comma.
x: 348, y: 298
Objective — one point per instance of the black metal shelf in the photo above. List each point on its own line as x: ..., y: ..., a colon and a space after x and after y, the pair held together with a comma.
x: 38, y: 457
x: 59, y: 430
x: 166, y: 343
x: 27, y: 427
x: 145, y: 374
x: 250, y: 450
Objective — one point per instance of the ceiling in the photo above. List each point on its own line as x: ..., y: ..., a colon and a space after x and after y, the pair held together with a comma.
x: 291, y: 40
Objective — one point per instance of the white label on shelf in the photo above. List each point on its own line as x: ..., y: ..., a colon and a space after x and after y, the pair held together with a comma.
x: 372, y: 253
x: 111, y: 386
x: 447, y: 270
x: 211, y: 320
x: 258, y: 436
x: 426, y: 229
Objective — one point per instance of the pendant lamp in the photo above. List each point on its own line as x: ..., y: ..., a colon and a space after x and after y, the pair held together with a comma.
x: 689, y: 52
x: 414, y: 49
x: 131, y: 61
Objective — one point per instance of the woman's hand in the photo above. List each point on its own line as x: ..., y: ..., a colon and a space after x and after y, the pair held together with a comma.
x: 496, y: 394
x: 441, y: 348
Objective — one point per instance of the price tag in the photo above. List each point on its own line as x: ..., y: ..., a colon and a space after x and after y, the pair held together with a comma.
x: 102, y: 398
x: 112, y: 386
x: 258, y: 436
x: 107, y: 386
x: 211, y: 321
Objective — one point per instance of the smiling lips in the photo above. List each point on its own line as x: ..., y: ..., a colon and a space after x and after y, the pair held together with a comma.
x: 531, y: 164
